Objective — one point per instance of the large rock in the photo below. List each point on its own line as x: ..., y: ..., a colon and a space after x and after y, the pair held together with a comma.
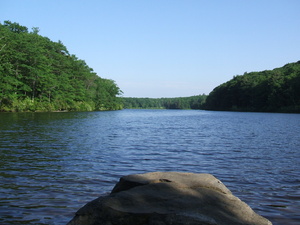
x: 168, y: 198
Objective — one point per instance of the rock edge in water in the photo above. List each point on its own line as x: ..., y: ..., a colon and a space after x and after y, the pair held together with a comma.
x: 168, y: 198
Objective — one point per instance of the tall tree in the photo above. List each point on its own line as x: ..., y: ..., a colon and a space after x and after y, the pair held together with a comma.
x: 38, y: 74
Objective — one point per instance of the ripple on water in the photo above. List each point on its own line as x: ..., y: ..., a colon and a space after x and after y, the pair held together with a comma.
x: 51, y: 164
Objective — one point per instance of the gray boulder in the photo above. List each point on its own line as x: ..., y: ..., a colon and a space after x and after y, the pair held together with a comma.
x: 168, y: 198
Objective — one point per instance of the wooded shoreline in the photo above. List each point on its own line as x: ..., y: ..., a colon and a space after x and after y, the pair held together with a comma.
x: 39, y: 75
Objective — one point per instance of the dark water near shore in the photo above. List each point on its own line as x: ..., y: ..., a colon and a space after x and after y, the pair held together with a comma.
x: 51, y: 164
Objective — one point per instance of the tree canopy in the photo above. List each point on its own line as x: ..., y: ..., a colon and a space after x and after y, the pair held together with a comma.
x: 37, y: 74
x: 193, y: 102
x: 276, y: 90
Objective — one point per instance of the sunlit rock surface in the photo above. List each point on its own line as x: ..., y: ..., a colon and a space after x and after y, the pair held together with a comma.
x: 168, y: 198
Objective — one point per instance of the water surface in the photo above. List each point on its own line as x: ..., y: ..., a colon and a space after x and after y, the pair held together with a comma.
x: 51, y: 164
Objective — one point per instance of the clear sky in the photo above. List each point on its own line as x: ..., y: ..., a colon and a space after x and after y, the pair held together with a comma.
x: 167, y: 48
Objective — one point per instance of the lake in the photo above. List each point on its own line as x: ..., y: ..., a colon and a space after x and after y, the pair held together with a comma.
x: 51, y: 164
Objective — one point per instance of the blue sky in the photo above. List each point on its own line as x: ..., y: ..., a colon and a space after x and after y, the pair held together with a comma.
x: 167, y: 48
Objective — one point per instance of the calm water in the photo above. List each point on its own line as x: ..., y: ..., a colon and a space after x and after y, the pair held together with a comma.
x: 51, y: 164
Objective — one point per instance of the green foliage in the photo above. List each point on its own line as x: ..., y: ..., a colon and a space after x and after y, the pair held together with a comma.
x: 276, y: 90
x: 37, y: 74
x: 194, y: 102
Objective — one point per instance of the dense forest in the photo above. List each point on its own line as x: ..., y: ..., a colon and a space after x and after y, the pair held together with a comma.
x: 276, y: 90
x: 37, y: 74
x: 193, y: 102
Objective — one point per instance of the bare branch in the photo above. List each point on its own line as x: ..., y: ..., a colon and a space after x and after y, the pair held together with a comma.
x: 2, y: 47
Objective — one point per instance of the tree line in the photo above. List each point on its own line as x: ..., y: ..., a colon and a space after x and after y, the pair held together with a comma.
x: 193, y: 102
x: 37, y: 74
x: 276, y: 90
